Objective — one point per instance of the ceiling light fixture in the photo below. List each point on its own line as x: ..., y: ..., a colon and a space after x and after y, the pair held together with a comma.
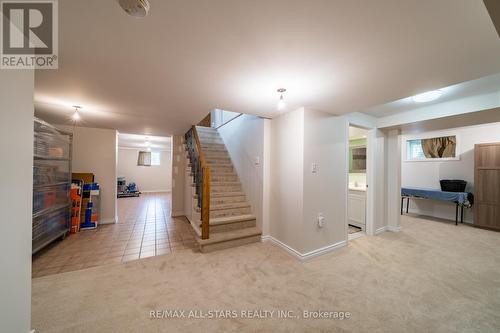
x: 281, y: 102
x: 427, y: 96
x: 76, y: 115
x: 135, y: 8
x: 147, y: 142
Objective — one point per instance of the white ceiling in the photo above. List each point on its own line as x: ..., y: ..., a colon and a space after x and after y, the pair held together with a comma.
x: 139, y: 141
x: 485, y: 85
x: 163, y: 73
x: 357, y: 133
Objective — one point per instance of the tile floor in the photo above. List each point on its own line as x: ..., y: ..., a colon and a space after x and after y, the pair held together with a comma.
x: 145, y: 229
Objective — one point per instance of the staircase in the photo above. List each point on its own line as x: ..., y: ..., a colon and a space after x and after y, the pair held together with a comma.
x: 231, y: 222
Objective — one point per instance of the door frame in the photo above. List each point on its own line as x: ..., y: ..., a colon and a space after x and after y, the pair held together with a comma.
x: 370, y: 178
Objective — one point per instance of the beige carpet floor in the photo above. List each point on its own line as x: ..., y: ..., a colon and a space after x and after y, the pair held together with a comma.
x: 430, y: 277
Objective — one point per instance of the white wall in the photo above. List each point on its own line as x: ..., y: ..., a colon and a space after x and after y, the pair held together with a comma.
x: 393, y: 179
x: 325, y: 191
x: 287, y: 178
x: 244, y: 140
x: 155, y: 178
x: 377, y: 170
x: 297, y: 195
x: 95, y: 150
x: 178, y: 175
x: 16, y: 179
x: 220, y: 117
x: 428, y: 173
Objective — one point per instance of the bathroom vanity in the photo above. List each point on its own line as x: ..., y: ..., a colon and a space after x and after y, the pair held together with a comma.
x: 357, y: 206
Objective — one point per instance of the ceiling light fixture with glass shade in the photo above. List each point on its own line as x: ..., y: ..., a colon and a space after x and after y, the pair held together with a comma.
x: 76, y: 116
x: 135, y: 8
x: 427, y: 96
x: 281, y: 102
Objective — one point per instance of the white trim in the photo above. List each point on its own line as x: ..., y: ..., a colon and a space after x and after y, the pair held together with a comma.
x: 307, y: 255
x: 393, y: 228
x: 108, y: 221
x: 370, y: 176
x: 178, y: 213
x: 388, y: 228
x: 357, y: 235
x: 436, y: 159
x: 156, y: 191
x: 195, y: 225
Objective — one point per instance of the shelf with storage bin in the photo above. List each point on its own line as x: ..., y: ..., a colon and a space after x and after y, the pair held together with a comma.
x: 51, y: 184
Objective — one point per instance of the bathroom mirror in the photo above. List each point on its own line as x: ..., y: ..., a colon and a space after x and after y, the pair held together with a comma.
x: 357, y: 161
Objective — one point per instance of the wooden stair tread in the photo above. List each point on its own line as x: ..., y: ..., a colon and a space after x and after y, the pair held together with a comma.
x: 224, y: 183
x: 231, y: 205
x: 232, y: 219
x: 226, y: 194
x: 230, y: 235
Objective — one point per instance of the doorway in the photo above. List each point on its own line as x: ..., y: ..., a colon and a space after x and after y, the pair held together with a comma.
x: 357, y: 193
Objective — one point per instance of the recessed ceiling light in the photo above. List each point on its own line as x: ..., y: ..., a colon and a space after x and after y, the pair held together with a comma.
x: 427, y: 96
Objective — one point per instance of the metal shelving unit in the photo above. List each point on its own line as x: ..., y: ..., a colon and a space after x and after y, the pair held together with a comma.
x: 51, y: 184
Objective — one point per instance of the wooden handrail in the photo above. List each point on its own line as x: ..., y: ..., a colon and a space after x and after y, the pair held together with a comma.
x: 205, y: 204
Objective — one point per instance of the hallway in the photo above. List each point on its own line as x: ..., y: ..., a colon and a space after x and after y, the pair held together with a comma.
x: 145, y: 229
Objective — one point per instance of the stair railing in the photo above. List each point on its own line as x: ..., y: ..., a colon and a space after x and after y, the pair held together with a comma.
x: 201, y: 174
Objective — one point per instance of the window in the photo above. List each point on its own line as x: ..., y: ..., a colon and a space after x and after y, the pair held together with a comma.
x: 155, y: 158
x: 144, y: 158
x: 444, y: 148
x: 414, y: 150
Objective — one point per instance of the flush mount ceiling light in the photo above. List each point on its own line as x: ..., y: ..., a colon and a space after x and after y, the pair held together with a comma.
x: 135, y: 8
x: 427, y: 96
x: 281, y: 102
x: 76, y: 115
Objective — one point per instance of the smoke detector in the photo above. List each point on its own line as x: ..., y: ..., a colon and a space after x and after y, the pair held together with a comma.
x: 135, y: 8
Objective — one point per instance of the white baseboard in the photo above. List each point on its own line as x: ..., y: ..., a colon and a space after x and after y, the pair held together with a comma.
x: 178, y: 213
x: 109, y: 221
x: 387, y: 228
x: 393, y: 229
x: 307, y: 255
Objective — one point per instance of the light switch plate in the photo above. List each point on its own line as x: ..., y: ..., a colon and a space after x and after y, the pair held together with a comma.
x: 314, y: 168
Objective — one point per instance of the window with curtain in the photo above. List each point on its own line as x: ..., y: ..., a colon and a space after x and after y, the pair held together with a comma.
x: 144, y: 158
x: 444, y: 147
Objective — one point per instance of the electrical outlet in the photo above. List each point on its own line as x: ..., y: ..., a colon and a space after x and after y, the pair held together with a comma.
x: 321, y: 220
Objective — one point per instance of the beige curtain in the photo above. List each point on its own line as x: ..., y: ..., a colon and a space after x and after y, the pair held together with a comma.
x: 144, y: 158
x: 442, y: 147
